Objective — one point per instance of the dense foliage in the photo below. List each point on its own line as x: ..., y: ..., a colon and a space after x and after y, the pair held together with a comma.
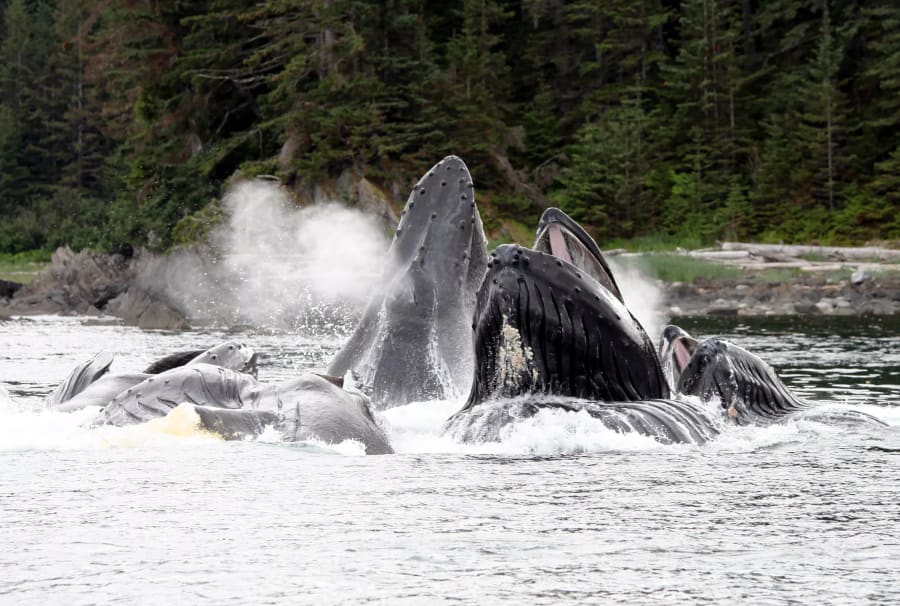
x: 697, y: 120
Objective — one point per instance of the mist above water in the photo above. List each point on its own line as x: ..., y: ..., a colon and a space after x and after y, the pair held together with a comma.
x: 277, y: 264
x: 643, y: 297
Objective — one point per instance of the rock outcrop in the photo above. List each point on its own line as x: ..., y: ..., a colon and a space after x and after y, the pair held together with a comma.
x: 88, y: 283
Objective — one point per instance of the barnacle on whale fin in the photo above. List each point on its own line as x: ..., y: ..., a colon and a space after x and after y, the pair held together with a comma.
x: 513, y: 358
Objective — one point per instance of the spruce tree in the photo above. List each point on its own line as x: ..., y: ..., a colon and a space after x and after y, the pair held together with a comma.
x: 15, y: 80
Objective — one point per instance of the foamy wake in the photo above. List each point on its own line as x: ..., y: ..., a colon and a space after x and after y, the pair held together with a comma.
x: 416, y: 428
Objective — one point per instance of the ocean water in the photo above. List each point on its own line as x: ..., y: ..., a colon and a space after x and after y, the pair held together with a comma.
x: 562, y: 511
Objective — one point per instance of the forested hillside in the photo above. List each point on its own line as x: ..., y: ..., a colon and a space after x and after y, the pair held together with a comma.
x: 696, y: 120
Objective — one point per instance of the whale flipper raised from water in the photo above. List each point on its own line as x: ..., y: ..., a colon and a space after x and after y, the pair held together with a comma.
x: 80, y: 378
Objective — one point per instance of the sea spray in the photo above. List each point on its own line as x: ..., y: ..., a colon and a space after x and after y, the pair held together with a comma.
x: 643, y: 297
x: 331, y: 251
x: 278, y: 265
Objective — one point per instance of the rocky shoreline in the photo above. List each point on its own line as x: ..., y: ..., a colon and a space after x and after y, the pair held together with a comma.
x: 806, y: 283
x: 803, y: 295
x: 141, y: 288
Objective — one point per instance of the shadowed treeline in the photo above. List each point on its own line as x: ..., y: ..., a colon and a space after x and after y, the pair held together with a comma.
x: 120, y: 120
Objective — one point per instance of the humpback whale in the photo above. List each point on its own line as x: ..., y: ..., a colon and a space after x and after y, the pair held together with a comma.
x: 748, y: 389
x: 551, y: 332
x: 235, y: 405
x: 221, y: 387
x: 545, y: 324
x: 413, y: 340
x: 91, y: 384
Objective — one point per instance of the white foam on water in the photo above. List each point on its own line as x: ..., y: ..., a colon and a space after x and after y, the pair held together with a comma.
x: 566, y: 432
x: 888, y: 414
x: 413, y: 428
x: 51, y: 430
x: 350, y: 448
x: 749, y: 438
x: 418, y: 428
x: 47, y: 430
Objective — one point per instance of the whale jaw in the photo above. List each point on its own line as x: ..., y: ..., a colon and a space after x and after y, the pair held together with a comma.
x: 543, y: 326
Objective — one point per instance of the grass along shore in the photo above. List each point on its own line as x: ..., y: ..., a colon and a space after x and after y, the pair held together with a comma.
x: 23, y: 267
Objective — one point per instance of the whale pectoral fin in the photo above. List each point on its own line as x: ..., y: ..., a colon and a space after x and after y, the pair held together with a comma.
x: 81, y: 377
x: 235, y: 424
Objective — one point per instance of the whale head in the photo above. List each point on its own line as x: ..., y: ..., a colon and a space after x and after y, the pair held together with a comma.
x: 550, y: 320
x: 748, y: 389
x: 413, y: 341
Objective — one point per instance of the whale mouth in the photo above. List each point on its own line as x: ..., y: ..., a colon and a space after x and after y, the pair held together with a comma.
x: 545, y: 326
x: 675, y: 351
x: 682, y: 350
x: 559, y: 235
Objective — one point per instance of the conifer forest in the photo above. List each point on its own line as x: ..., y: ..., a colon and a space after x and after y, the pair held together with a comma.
x: 121, y: 121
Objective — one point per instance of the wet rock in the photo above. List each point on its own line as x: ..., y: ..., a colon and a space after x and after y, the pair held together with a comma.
x: 722, y: 311
x: 861, y: 276
x: 805, y: 307
x: 102, y: 322
x: 74, y: 282
x: 130, y: 286
x: 8, y: 288
x: 721, y: 307
x: 843, y: 307
x: 355, y: 189
x: 142, y: 309
x: 373, y: 201
x: 825, y: 306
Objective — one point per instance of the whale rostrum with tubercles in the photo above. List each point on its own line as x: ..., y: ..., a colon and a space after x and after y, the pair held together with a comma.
x: 413, y: 342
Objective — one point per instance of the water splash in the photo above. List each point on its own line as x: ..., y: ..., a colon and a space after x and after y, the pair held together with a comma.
x: 419, y: 428
x: 416, y: 428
